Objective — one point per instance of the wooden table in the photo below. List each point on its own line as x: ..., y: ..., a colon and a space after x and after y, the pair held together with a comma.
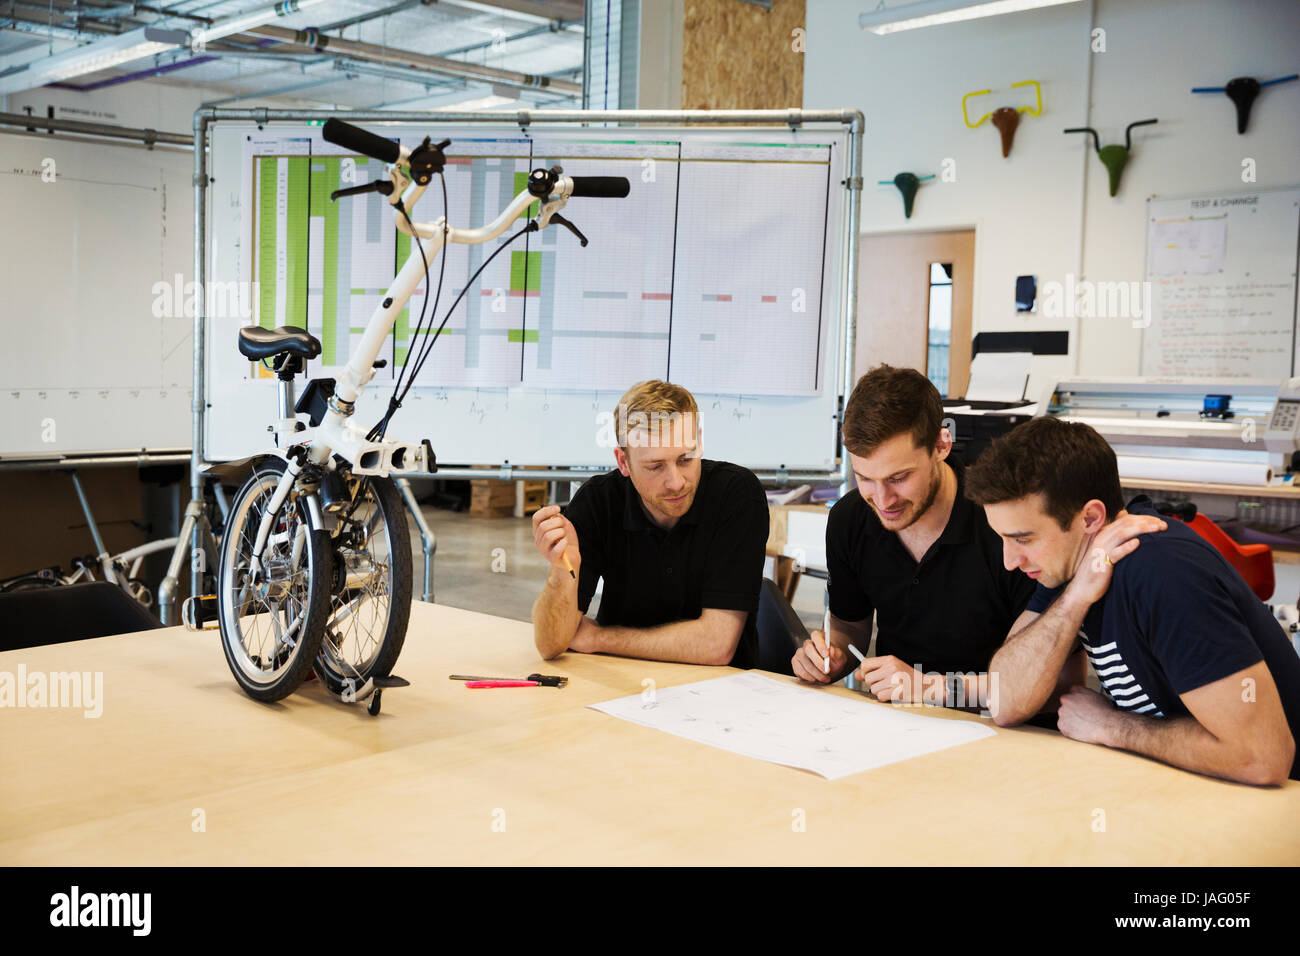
x: 449, y: 775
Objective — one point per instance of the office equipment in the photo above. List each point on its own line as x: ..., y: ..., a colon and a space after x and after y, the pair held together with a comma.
x: 795, y: 726
x: 96, y: 354
x: 1221, y: 279
x: 573, y: 786
x: 826, y: 639
x: 532, y: 680
x: 710, y: 290
x: 998, y: 377
x: 1159, y: 430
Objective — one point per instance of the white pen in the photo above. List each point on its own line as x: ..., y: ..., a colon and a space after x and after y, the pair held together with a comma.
x: 826, y: 636
x: 857, y: 653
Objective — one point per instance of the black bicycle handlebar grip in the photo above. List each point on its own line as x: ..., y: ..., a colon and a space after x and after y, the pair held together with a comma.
x: 603, y: 187
x: 360, y: 141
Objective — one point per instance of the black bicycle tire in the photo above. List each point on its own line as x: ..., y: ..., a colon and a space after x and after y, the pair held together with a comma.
x: 321, y: 574
x: 390, y: 502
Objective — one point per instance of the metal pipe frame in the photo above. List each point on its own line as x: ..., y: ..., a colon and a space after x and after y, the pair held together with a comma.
x: 177, y: 456
x: 428, y: 539
x: 199, y: 536
x: 100, y: 550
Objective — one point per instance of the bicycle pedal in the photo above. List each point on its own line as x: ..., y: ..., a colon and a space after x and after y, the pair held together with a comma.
x: 391, y: 681
x: 199, y: 613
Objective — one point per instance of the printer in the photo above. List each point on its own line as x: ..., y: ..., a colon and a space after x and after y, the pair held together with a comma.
x: 1225, y: 431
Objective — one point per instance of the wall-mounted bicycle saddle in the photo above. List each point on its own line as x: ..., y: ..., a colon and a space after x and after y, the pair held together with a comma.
x: 256, y: 342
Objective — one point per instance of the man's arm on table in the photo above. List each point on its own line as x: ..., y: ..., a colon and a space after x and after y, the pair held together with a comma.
x: 709, y: 639
x: 556, y: 617
x: 1231, y: 734
x: 1031, y: 666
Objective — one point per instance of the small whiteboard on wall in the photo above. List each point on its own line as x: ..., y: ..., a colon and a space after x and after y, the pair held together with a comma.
x: 1222, y: 269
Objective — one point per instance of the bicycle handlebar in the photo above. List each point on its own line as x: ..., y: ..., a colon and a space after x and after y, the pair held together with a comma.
x: 603, y: 187
x: 361, y: 141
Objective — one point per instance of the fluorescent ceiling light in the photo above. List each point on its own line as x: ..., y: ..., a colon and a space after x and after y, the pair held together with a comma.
x: 137, y: 44
x: 928, y: 13
x: 474, y: 106
x: 254, y: 18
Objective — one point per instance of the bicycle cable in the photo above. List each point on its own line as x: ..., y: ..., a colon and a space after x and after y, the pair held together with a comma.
x: 395, y: 402
x: 426, y: 346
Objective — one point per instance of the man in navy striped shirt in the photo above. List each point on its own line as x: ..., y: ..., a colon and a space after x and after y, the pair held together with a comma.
x: 1196, y: 671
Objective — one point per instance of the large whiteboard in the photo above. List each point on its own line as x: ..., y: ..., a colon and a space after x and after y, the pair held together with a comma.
x: 721, y: 272
x: 1222, y: 274
x: 97, y: 355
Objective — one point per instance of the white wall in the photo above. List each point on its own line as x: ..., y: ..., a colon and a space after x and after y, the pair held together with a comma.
x: 145, y: 104
x: 1046, y: 210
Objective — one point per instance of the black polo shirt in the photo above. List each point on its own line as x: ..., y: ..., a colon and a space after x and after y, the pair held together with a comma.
x: 713, y: 557
x: 949, y: 612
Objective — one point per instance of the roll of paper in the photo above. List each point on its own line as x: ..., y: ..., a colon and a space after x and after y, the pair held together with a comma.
x: 1193, y: 469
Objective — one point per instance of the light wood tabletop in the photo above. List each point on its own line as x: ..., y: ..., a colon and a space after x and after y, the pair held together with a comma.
x: 182, y: 768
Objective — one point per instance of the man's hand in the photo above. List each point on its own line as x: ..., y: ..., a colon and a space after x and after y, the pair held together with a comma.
x: 808, y: 660
x: 1087, y: 716
x: 891, y: 679
x: 554, y: 535
x: 1114, y: 542
x: 587, y: 640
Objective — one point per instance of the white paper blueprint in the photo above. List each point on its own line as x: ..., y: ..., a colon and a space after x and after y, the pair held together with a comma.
x: 801, y: 727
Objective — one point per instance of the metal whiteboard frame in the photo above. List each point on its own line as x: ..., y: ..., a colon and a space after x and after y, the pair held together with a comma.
x: 195, y: 534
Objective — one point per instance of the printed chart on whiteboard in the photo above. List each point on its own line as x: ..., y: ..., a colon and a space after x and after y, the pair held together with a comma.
x: 679, y: 281
x: 1222, y: 274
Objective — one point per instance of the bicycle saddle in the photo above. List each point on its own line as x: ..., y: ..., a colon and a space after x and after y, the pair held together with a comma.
x: 256, y: 342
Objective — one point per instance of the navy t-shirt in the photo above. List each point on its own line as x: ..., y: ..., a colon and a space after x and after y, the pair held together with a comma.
x: 1176, y: 617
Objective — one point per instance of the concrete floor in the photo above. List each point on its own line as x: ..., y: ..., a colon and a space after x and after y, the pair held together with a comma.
x: 463, y: 573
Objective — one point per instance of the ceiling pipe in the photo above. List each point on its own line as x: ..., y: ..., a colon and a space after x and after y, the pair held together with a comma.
x: 147, y: 136
x: 314, y: 40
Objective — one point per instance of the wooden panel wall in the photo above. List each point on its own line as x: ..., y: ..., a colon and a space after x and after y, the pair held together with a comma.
x: 737, y: 56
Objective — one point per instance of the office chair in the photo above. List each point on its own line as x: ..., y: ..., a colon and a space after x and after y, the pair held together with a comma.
x: 780, y: 632
x: 1254, y: 562
x: 76, y: 612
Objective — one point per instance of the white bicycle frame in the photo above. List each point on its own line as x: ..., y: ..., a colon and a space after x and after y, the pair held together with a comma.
x: 337, y: 434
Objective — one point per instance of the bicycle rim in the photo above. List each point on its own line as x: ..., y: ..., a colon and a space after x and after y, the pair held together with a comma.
x: 270, y: 620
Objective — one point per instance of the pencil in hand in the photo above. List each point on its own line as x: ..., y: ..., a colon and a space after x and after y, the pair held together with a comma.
x: 826, y: 638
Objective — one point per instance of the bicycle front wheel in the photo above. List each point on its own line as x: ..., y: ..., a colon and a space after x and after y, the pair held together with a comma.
x: 371, y: 601
x: 272, y: 616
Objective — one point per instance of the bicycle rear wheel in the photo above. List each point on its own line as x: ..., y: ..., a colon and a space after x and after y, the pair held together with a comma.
x: 272, y: 621
x: 371, y: 601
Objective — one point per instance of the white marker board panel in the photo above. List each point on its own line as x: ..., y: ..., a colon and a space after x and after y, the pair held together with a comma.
x: 97, y: 355
x: 721, y: 272
x: 1222, y: 270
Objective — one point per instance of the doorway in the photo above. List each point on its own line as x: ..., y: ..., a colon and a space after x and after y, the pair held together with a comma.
x: 915, y: 291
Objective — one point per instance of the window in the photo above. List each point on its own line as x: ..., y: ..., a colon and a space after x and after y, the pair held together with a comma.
x: 940, y: 328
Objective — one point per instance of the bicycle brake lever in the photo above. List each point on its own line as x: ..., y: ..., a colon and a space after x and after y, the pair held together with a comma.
x: 382, y: 186
x: 556, y: 217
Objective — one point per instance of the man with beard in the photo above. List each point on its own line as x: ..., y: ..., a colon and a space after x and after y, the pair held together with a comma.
x: 679, y: 541
x: 907, y: 548
x: 1195, y: 670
